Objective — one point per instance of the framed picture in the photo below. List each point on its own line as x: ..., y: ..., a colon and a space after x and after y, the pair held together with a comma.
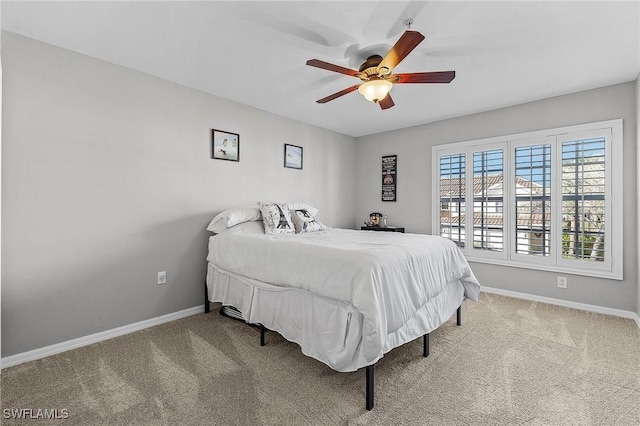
x: 225, y: 145
x: 293, y: 156
x: 389, y: 177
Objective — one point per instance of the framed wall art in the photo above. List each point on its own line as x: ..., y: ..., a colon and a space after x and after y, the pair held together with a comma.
x: 293, y: 156
x: 225, y: 145
x: 389, y: 177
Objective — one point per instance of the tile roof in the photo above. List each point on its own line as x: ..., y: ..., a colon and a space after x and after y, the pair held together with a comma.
x: 452, y: 186
x: 534, y: 220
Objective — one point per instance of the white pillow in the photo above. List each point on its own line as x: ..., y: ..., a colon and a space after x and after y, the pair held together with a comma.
x: 251, y: 227
x: 233, y: 216
x: 276, y: 218
x: 303, y: 221
x: 302, y: 206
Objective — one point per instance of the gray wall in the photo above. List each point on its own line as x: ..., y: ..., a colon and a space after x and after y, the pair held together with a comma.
x: 638, y: 183
x: 107, y: 179
x: 413, y: 207
x: 0, y: 186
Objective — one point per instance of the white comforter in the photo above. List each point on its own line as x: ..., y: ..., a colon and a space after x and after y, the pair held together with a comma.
x: 387, y: 276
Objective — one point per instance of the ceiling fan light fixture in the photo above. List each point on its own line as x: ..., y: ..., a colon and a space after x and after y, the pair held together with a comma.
x: 375, y: 90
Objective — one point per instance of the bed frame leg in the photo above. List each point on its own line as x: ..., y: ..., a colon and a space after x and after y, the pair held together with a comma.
x: 369, y: 387
x: 459, y: 315
x: 425, y: 344
x: 206, y: 299
x: 262, y: 329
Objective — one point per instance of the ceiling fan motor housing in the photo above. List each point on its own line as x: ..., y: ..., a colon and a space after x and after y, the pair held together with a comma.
x: 370, y: 66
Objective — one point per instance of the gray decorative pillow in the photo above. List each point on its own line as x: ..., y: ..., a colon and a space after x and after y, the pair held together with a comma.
x: 303, y: 221
x: 276, y: 218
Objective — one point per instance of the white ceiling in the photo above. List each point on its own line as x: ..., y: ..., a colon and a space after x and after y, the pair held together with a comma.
x: 504, y: 53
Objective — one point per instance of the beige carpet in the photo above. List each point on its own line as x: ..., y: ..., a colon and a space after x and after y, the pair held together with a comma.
x: 511, y: 362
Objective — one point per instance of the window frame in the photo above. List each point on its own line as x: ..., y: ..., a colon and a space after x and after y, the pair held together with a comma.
x: 611, y: 267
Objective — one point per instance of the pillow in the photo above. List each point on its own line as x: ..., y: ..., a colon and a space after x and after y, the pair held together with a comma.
x: 251, y: 227
x: 233, y: 216
x: 276, y: 218
x: 302, y: 206
x: 303, y: 221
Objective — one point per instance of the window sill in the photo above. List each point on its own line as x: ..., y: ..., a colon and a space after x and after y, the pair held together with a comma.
x: 596, y: 273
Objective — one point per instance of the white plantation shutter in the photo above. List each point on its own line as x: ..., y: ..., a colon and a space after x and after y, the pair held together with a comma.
x: 488, y: 200
x: 452, y: 197
x: 584, y: 200
x: 532, y: 188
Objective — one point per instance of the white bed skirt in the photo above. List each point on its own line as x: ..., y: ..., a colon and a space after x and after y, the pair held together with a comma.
x: 326, y: 329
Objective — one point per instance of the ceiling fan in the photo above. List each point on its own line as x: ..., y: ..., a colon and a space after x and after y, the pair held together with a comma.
x: 376, y: 76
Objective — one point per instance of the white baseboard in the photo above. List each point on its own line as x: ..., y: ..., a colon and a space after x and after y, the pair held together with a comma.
x: 16, y: 359
x: 565, y: 303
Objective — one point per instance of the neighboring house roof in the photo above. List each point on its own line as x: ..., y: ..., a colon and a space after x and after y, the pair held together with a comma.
x: 455, y: 186
x: 451, y: 189
x: 534, y: 220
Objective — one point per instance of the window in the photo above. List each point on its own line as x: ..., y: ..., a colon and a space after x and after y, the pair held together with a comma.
x: 549, y: 199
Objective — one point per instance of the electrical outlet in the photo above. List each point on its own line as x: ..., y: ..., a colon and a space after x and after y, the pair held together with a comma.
x: 562, y: 282
x: 162, y: 277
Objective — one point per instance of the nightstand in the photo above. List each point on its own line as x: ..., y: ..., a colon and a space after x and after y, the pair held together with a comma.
x: 379, y: 228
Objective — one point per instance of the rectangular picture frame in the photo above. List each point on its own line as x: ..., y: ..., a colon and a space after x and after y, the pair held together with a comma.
x: 293, y: 156
x: 225, y: 145
x: 389, y: 177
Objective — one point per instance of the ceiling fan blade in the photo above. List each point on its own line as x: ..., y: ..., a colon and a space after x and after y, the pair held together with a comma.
x: 404, y: 46
x: 331, y: 67
x: 425, y: 77
x: 338, y: 94
x: 386, y: 102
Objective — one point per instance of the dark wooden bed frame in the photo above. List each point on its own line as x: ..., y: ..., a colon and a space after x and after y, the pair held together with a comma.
x: 368, y: 369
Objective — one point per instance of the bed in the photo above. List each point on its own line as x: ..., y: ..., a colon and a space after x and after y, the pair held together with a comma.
x: 346, y: 297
